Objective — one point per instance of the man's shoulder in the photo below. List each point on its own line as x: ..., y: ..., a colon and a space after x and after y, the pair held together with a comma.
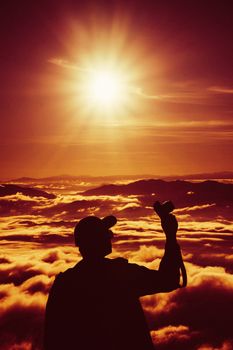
x: 81, y: 265
x: 118, y: 261
x: 81, y: 269
x: 124, y: 265
x: 64, y: 276
x: 124, y: 262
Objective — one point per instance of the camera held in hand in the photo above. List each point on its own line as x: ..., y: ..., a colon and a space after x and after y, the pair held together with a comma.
x: 163, y: 209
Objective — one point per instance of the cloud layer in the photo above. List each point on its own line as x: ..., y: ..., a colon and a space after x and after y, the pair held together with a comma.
x: 37, y: 243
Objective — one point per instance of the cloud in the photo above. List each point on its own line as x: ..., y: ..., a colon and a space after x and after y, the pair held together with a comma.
x: 175, y: 337
x: 4, y: 260
x: 213, y: 258
x: 226, y: 345
x: 67, y: 255
x: 22, y: 346
x: 191, y: 202
x: 221, y: 90
x: 141, y: 93
x: 37, y: 238
x: 205, y: 306
x: 47, y: 262
x: 131, y: 89
x: 187, y: 92
x: 176, y: 315
x: 21, y: 320
x: 11, y: 189
x: 65, y: 64
x: 194, y: 208
x: 25, y: 283
x: 12, y: 207
x: 40, y: 283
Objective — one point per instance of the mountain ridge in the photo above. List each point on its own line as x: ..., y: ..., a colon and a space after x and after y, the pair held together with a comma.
x: 67, y: 177
x: 10, y: 189
x: 183, y: 192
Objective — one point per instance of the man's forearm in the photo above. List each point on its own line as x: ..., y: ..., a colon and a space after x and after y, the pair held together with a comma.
x: 170, y: 265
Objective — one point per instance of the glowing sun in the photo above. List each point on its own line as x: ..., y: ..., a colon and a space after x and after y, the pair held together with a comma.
x: 105, y: 88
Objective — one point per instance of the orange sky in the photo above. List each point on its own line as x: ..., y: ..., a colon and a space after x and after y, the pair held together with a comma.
x: 176, y: 116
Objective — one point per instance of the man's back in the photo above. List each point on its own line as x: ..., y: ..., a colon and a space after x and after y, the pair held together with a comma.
x: 96, y: 306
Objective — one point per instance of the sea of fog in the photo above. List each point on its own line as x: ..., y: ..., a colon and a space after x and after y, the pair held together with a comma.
x: 36, y: 241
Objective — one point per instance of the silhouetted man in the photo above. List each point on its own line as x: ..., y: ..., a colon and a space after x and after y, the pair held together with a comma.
x: 95, y: 304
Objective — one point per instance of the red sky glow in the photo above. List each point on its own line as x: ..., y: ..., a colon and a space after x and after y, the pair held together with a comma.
x: 175, y: 112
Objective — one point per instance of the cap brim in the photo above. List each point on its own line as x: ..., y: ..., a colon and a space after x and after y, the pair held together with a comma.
x: 109, y: 221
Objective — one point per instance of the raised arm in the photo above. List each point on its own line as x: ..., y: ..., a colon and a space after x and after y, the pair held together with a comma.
x: 167, y: 277
x: 171, y: 265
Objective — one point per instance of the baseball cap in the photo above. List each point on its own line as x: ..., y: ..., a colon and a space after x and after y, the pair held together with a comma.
x: 91, y: 226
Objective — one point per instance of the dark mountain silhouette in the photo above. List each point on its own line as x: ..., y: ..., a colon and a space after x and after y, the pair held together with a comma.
x: 103, y: 179
x: 89, y: 178
x: 10, y: 189
x: 184, y: 193
x: 204, y: 176
x: 43, y: 179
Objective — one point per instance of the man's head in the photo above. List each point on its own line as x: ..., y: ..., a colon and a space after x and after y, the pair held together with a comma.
x: 93, y: 236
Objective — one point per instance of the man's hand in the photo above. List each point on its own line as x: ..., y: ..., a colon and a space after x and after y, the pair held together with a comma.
x: 169, y: 225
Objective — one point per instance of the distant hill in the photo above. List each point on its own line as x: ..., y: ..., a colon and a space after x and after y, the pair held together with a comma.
x: 9, y: 189
x: 114, y: 178
x: 43, y: 179
x: 205, y: 176
x: 184, y: 193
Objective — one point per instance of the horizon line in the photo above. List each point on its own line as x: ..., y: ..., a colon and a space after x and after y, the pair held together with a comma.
x: 227, y: 173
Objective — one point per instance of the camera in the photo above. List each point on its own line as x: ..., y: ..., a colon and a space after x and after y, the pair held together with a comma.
x: 163, y: 209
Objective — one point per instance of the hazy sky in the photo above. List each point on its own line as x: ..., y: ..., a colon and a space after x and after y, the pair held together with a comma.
x: 175, y: 112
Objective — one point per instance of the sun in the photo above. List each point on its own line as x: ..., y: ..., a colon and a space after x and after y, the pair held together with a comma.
x: 106, y: 91
x: 105, y: 88
x: 104, y: 74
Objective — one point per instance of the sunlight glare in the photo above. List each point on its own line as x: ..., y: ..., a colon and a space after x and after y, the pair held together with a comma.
x: 105, y: 88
